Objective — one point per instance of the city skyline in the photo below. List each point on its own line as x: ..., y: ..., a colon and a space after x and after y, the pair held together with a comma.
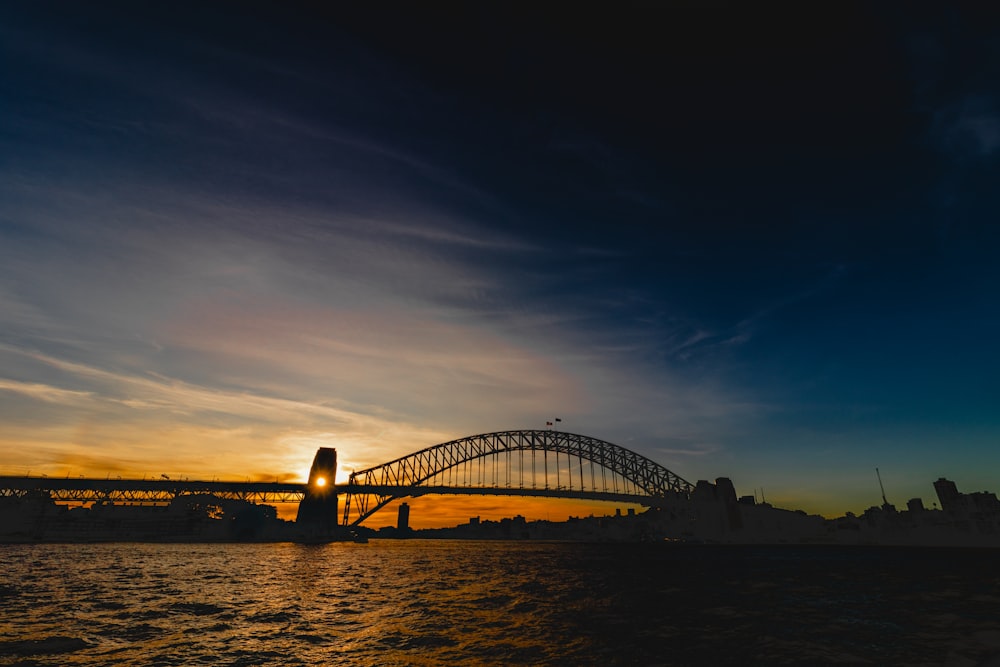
x: 232, y: 235
x: 490, y: 487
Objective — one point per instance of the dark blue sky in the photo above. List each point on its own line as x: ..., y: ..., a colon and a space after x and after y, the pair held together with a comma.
x: 745, y: 244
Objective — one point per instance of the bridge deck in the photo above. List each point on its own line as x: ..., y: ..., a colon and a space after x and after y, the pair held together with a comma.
x: 84, y: 490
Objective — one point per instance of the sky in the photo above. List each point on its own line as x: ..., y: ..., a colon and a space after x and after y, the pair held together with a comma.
x: 759, y: 246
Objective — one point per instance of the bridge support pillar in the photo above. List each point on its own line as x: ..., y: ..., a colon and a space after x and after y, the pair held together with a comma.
x: 318, y: 509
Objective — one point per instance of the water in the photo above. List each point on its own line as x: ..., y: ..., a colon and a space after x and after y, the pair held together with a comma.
x: 495, y: 603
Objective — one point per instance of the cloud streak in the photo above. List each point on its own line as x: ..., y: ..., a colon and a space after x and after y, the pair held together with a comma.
x: 44, y: 392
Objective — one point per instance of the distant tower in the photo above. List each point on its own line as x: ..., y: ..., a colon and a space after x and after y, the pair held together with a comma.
x: 318, y: 509
x: 948, y: 494
x: 403, y: 518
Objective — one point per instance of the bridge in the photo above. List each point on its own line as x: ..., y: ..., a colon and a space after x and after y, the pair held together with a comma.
x: 523, y: 463
x: 531, y: 463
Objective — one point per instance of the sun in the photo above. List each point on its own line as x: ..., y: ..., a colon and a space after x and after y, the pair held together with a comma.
x: 321, y: 481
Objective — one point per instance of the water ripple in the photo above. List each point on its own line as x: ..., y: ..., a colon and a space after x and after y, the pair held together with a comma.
x: 474, y: 603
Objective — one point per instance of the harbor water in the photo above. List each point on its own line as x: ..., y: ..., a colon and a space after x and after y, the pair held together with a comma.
x: 424, y: 602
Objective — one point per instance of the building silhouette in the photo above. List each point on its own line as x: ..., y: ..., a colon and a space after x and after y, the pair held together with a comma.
x: 403, y: 518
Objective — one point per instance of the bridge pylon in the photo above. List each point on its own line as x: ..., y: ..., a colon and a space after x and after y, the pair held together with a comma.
x: 318, y: 510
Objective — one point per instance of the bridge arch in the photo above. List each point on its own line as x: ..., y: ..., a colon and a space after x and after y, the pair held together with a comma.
x: 643, y: 480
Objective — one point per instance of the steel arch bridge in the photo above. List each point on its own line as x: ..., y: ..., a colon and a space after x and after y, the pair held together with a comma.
x: 524, y: 463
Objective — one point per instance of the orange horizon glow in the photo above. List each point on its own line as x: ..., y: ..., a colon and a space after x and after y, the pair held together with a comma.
x: 450, y: 511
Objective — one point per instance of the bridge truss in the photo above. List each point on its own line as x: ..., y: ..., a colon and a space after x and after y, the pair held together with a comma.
x: 528, y: 463
x: 146, y: 491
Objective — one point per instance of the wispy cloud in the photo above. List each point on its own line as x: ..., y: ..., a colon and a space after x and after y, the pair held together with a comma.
x: 131, y: 411
x: 44, y: 392
x: 695, y: 450
x: 970, y: 127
